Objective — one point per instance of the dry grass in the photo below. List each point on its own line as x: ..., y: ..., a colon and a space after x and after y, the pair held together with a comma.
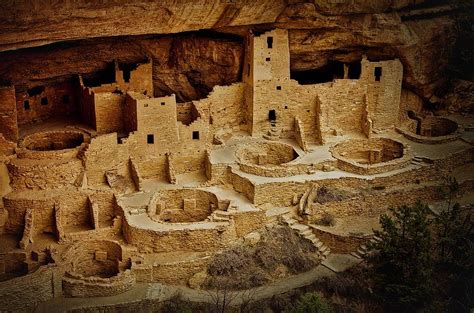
x: 246, y: 267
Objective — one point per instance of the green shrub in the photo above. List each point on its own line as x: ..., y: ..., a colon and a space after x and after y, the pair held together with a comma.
x: 311, y: 303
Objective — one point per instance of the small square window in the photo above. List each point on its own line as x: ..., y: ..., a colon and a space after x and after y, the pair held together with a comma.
x: 267, y: 59
x: 26, y: 105
x: 286, y: 107
x: 163, y: 103
x: 44, y: 101
x: 196, y: 135
x: 146, y: 105
x: 278, y: 87
x: 150, y: 139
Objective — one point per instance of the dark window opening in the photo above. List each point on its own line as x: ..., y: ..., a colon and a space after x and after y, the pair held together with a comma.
x: 26, y: 105
x: 267, y: 59
x: 65, y: 99
x: 127, y: 69
x: 272, y: 115
x: 354, y: 70
x: 150, y: 139
x: 248, y: 69
x: 332, y: 70
x: 35, y: 91
x: 104, y: 76
x: 44, y: 101
x: 117, y: 91
x: 278, y: 87
x: 163, y: 103
x: 195, y: 135
x: 126, y: 76
x: 286, y: 107
x: 146, y: 105
x: 377, y: 73
x: 270, y: 42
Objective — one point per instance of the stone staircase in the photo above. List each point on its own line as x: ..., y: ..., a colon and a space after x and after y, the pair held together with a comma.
x: 219, y: 216
x: 306, y: 232
x: 417, y: 160
x: 273, y: 133
x: 363, y: 248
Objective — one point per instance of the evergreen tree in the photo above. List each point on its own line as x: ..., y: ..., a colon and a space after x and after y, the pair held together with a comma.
x: 401, y: 262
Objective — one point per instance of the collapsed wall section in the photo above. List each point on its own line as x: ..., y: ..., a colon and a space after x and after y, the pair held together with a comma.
x: 8, y: 114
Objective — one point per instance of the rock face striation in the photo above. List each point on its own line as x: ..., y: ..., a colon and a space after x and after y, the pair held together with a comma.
x: 148, y: 143
x: 421, y: 34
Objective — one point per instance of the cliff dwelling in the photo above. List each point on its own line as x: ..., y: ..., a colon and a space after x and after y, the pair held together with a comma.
x: 168, y: 151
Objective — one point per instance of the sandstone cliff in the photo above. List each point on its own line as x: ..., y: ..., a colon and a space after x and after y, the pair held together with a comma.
x: 82, y: 36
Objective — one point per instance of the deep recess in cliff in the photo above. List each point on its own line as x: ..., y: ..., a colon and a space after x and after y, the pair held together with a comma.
x: 431, y: 38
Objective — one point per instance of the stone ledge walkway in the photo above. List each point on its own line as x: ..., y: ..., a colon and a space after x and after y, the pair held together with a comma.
x: 142, y: 292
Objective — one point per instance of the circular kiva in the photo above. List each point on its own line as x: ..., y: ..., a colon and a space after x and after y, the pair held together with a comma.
x: 183, y: 205
x: 371, y: 156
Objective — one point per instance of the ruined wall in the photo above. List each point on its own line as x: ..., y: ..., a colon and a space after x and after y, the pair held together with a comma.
x: 384, y: 86
x: 17, y: 292
x: 108, y: 112
x: 104, y: 153
x: 205, y: 238
x: 157, y: 117
x: 342, y: 106
x: 42, y: 102
x: 44, y: 174
x: 139, y: 79
x: 76, y: 285
x: 8, y: 114
x: 86, y: 104
x: 409, y: 101
x: 223, y: 107
x: 271, y: 55
x: 287, y: 99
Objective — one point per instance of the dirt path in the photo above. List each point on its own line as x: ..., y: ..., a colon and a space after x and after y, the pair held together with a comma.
x: 142, y: 292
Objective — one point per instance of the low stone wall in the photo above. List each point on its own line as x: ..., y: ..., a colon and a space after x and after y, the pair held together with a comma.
x: 385, y: 148
x: 247, y: 222
x: 76, y: 285
x: 211, y: 237
x: 44, y: 174
x: 284, y: 170
x: 428, y: 140
x: 26, y: 291
x: 174, y: 273
x: 339, y: 243
x: 266, y: 153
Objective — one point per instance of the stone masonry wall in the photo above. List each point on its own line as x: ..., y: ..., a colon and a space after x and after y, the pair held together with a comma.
x: 8, y: 114
x: 383, y: 91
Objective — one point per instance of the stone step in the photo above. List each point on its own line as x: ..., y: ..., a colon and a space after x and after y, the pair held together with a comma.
x: 376, y: 238
x: 306, y: 232
x: 299, y: 227
x: 219, y: 219
x: 311, y: 237
x: 319, y: 245
x: 361, y: 251
x: 326, y: 252
x: 355, y: 254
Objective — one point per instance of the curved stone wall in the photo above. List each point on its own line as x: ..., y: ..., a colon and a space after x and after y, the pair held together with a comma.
x: 371, y: 156
x: 270, y: 159
x: 182, y: 205
x: 98, y: 269
x: 77, y: 285
x: 266, y: 153
x: 432, y: 130
x: 52, y: 144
